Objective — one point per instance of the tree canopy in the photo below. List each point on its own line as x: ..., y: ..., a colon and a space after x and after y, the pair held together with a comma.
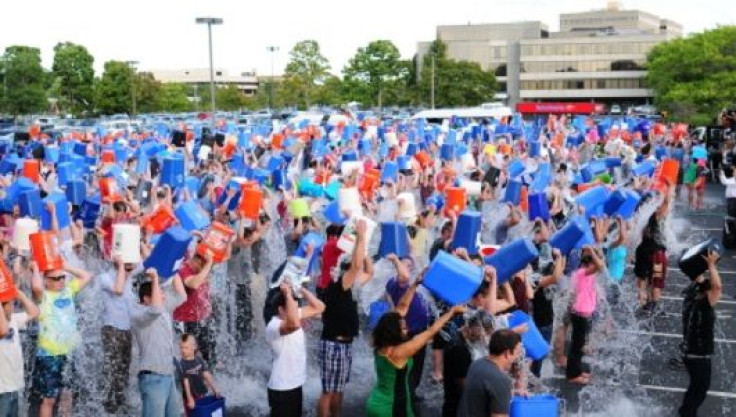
x: 306, y: 69
x: 74, y: 72
x: 24, y: 80
x: 114, y: 90
x: 372, y: 70
x: 695, y: 77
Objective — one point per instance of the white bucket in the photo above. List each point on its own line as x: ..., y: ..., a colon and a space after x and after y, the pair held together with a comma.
x: 391, y: 139
x: 468, y: 162
x: 408, y: 206
x: 204, y: 152
x: 348, y: 200
x: 347, y: 240
x: 472, y: 188
x: 348, y: 167
x: 22, y: 230
x: 126, y: 242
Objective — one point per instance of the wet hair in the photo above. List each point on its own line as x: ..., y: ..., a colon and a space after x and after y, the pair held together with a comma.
x: 185, y: 337
x: 411, y: 230
x: 447, y: 227
x: 334, y: 230
x: 503, y: 341
x: 119, y: 207
x: 388, y: 331
x: 274, y: 299
x: 145, y: 290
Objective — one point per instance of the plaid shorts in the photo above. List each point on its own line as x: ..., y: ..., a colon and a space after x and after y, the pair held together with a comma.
x: 48, y: 375
x: 335, y: 362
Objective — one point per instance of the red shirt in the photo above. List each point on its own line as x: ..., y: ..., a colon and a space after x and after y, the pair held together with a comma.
x: 330, y: 255
x: 197, y: 307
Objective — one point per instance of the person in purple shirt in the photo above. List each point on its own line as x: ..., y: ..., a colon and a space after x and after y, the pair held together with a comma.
x: 418, y: 317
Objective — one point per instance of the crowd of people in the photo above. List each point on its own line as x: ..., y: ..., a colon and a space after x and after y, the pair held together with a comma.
x: 162, y: 327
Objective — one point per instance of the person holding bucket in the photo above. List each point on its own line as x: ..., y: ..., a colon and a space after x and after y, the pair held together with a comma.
x: 117, y: 342
x: 394, y: 350
x: 11, y: 354
x: 698, y: 334
x: 59, y: 333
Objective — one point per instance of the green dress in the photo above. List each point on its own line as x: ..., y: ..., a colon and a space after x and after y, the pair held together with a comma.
x: 390, y: 397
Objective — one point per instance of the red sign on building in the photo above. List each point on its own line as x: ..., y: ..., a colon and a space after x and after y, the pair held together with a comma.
x: 558, y: 108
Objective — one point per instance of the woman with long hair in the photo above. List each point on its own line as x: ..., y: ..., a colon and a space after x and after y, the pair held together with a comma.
x: 393, y: 350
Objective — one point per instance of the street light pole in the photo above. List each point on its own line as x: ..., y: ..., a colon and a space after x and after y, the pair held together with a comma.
x: 209, y: 21
x: 433, y: 72
x: 272, y: 50
x: 132, y: 65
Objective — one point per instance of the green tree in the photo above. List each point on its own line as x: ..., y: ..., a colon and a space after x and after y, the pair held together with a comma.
x: 693, y: 78
x: 372, y: 70
x: 457, y: 83
x: 24, y: 80
x: 174, y: 97
x: 306, y: 69
x: 229, y: 98
x: 147, y: 92
x: 114, y: 90
x: 73, y: 67
x: 330, y: 92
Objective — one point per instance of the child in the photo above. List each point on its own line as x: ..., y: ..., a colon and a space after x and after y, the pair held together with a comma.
x: 197, y: 380
x: 583, y: 301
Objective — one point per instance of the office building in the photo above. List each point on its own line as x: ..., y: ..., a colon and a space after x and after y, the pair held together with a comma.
x: 596, y: 56
x: 247, y: 82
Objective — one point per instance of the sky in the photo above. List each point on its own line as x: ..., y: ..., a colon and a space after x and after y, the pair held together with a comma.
x: 161, y: 34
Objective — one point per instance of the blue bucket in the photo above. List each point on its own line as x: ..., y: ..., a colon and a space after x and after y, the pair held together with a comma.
x: 76, y: 191
x: 645, y: 168
x: 62, y: 211
x: 275, y: 163
x: 612, y: 162
x: 622, y: 203
x: 534, y: 344
x: 172, y: 171
x: 310, y: 189
x: 349, y: 156
x: 447, y: 151
x: 451, y: 279
x: 437, y: 201
x: 567, y: 238
x: 191, y: 216
x: 543, y: 405
x: 209, y: 406
x: 538, y: 207
x: 466, y: 232
x: 30, y: 203
x: 404, y: 163
x: 168, y: 252
x: 318, y: 242
x: 513, y: 192
x: 89, y: 211
x: 412, y: 149
x: 377, y: 310
x: 333, y: 215
x: 390, y: 172
x: 512, y: 258
x: 593, y: 200
x: 516, y: 168
x: 394, y: 239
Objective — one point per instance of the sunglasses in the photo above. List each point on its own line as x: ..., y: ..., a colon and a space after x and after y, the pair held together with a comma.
x: 57, y: 278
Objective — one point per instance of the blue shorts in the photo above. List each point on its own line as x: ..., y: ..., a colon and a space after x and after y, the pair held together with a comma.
x: 48, y: 375
x: 335, y: 363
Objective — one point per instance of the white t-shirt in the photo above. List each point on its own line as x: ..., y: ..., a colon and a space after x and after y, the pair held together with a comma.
x: 289, y: 369
x: 11, y: 355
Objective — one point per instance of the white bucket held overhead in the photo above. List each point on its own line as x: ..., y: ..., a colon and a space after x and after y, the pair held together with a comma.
x: 349, y: 237
x: 407, y: 206
x: 348, y: 200
x: 126, y: 242
x: 22, y: 230
x: 348, y: 167
x: 472, y: 188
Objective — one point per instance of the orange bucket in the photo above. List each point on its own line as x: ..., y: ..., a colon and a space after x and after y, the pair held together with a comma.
x: 455, y: 200
x: 504, y: 149
x: 109, y: 190
x: 669, y: 169
x: 230, y: 147
x: 108, y: 156
x: 7, y: 286
x: 423, y: 159
x: 250, y: 202
x: 44, y: 249
x: 216, y: 241
x: 524, y: 200
x: 277, y: 141
x: 32, y: 170
x: 160, y: 220
x: 369, y: 182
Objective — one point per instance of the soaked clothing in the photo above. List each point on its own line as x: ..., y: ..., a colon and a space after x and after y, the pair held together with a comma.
x: 59, y: 332
x: 390, y: 396
x: 698, y: 322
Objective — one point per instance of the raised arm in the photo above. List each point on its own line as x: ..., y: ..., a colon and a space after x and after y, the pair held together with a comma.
x: 314, y: 307
x: 406, y: 350
x: 716, y: 286
x: 403, y: 306
x: 292, y: 322
x: 357, y: 264
x: 83, y: 276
